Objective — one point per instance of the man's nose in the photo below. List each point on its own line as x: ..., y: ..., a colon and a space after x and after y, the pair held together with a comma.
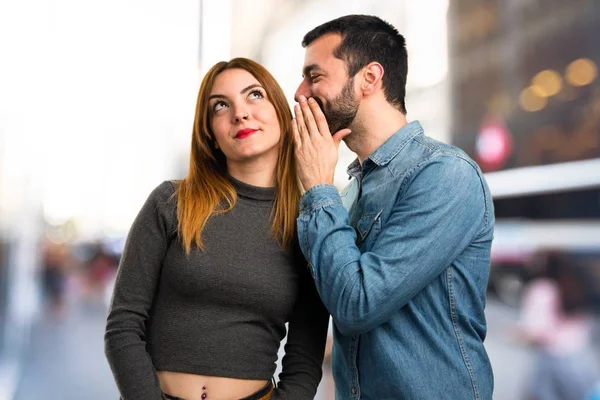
x: 302, y: 91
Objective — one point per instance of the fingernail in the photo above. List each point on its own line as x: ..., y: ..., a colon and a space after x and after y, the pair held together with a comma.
x: 311, y: 100
x: 302, y: 98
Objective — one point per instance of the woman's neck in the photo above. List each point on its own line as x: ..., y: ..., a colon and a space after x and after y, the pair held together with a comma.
x: 257, y: 173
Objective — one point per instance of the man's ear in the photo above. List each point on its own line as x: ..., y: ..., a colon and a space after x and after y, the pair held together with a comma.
x: 372, y: 75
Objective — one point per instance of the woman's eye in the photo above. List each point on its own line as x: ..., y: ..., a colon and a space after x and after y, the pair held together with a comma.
x: 218, y: 106
x: 314, y: 77
x: 256, y: 94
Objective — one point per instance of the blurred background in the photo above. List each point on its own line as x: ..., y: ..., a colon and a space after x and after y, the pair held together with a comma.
x: 96, y: 108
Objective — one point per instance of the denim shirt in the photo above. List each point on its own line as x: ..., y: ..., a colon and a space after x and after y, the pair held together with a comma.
x: 401, y: 260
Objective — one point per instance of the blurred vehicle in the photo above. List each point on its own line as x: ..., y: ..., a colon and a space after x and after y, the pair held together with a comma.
x: 545, y: 207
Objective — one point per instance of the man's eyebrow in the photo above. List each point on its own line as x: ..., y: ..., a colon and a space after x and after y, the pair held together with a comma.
x: 308, y: 69
x: 244, y: 90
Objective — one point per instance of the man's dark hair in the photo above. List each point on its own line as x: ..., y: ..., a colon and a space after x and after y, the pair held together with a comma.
x: 366, y: 39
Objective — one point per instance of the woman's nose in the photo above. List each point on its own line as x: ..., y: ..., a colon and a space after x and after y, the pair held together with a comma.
x: 241, y: 116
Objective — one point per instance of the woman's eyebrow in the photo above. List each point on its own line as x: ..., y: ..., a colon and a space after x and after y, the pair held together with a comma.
x: 244, y: 90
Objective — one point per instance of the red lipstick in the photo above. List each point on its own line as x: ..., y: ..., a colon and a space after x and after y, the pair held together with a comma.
x: 244, y: 133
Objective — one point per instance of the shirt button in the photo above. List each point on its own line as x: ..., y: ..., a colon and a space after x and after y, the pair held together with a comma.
x: 354, y: 390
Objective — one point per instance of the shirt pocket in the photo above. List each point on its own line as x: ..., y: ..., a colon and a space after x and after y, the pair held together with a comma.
x: 368, y: 228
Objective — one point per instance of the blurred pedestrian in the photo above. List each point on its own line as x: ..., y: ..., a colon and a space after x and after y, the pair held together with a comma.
x: 54, y: 278
x: 100, y: 270
x: 556, y: 320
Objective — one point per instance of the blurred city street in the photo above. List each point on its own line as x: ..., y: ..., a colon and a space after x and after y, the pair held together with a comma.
x: 93, y: 119
x: 66, y: 360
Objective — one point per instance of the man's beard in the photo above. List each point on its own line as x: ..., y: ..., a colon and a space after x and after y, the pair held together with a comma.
x: 342, y: 110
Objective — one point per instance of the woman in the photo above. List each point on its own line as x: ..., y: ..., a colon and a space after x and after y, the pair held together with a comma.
x: 211, y: 270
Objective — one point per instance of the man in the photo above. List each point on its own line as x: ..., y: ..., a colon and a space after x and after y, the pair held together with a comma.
x: 400, y: 258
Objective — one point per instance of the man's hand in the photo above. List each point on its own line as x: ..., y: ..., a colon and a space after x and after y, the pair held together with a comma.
x: 316, y: 148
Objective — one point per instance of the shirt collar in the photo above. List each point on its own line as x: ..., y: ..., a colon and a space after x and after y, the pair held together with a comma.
x: 390, y: 148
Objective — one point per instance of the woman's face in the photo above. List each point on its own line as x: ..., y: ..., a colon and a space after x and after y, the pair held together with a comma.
x: 243, y: 120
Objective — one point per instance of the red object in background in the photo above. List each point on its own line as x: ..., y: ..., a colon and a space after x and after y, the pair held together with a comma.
x: 493, y: 146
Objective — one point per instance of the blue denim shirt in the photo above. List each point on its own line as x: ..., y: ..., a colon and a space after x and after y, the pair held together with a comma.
x: 401, y: 259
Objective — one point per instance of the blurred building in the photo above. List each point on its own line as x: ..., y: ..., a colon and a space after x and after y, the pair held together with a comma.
x: 526, y: 105
x: 20, y: 230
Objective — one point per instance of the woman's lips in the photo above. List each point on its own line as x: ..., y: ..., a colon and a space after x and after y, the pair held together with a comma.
x: 244, y: 133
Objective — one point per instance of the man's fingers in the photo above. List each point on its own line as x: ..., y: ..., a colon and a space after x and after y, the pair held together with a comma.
x: 296, y: 134
x: 341, y: 134
x: 309, y: 119
x: 319, y: 117
x: 301, y: 125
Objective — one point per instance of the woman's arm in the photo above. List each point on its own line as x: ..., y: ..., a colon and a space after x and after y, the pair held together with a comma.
x: 137, y: 279
x: 305, y: 346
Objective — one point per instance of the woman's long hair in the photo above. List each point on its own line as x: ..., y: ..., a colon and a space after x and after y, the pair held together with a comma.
x: 207, y: 191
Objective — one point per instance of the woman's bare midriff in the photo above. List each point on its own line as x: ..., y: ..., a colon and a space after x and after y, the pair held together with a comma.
x: 190, y: 386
